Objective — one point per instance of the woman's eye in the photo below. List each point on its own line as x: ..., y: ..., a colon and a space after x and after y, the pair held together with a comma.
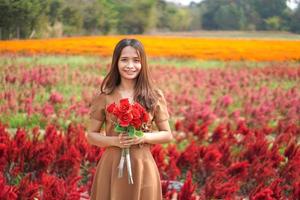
x: 136, y: 60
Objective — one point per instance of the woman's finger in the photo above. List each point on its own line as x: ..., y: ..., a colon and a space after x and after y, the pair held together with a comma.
x: 128, y: 141
x: 133, y: 141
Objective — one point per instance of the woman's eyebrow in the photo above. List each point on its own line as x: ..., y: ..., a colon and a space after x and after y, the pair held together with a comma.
x: 130, y: 57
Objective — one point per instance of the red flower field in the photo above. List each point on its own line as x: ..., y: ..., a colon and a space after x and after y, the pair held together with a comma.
x: 236, y: 130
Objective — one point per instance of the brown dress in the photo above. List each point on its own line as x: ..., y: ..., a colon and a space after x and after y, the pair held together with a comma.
x: 106, y: 184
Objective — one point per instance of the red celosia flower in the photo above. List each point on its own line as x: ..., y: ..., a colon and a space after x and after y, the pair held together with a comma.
x: 216, y: 188
x: 238, y: 170
x: 178, y: 125
x: 68, y: 164
x: 28, y: 189
x: 190, y: 157
x: 296, y: 190
x: 211, y: 158
x: 56, y: 97
x: 40, y: 156
x: 187, y: 189
x: 277, y: 188
x: 226, y: 190
x: 7, y: 192
x: 291, y: 150
x: 159, y: 155
x: 3, y: 155
x: 47, y: 110
x: 172, y: 170
x: 264, y: 194
x: 52, y: 187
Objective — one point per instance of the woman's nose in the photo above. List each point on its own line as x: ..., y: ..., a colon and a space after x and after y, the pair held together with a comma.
x: 130, y: 64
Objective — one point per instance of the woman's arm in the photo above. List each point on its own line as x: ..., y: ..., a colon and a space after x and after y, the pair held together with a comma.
x: 96, y: 137
x: 163, y: 135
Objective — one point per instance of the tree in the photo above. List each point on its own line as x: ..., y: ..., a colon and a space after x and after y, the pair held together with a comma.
x: 108, y: 15
x: 267, y: 9
x: 91, y: 18
x: 228, y: 17
x: 210, y: 8
x: 295, y: 19
x: 19, y: 18
x: 55, y: 11
x: 142, y: 16
x: 173, y: 17
x: 72, y: 20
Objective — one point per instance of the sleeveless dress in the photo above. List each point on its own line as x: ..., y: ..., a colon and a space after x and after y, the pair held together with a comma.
x: 106, y: 184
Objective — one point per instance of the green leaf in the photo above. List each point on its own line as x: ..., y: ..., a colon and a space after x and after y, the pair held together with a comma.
x: 120, y: 129
x: 131, y: 131
x: 139, y: 133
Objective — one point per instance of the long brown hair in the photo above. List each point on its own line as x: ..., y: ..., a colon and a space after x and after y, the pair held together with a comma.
x: 144, y: 91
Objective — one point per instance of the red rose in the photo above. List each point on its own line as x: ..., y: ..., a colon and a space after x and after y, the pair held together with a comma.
x: 125, y: 119
x: 116, y: 111
x: 110, y: 108
x: 139, y: 107
x: 135, y: 113
x: 136, y: 123
x: 145, y: 117
x: 124, y: 105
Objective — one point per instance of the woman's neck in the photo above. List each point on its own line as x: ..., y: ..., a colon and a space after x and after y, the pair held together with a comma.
x: 127, y: 85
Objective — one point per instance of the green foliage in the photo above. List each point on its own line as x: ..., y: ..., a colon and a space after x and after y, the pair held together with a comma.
x: 90, y: 19
x: 22, y: 120
x: 72, y: 20
x: 108, y: 16
x: 131, y: 131
x: 119, y: 129
x: 48, y: 18
x: 171, y: 17
x: 55, y: 11
x: 20, y: 18
x: 228, y: 17
x: 294, y: 22
x: 273, y: 23
x: 245, y: 15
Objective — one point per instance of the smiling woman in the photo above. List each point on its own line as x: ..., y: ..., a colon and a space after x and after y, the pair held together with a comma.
x: 129, y: 79
x: 129, y: 63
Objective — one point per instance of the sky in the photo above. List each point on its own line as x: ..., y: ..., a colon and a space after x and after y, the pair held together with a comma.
x: 187, y: 2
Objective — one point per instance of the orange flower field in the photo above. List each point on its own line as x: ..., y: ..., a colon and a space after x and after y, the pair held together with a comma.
x: 165, y: 46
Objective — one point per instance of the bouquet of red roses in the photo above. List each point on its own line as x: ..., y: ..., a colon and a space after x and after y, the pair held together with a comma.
x: 130, y: 119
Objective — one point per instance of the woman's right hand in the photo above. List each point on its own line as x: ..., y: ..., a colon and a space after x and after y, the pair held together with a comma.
x: 121, y: 140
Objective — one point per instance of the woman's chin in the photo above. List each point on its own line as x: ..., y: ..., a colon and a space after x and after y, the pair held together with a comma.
x: 129, y: 76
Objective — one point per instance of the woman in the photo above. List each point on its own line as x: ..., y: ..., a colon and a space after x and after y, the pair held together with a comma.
x: 128, y: 78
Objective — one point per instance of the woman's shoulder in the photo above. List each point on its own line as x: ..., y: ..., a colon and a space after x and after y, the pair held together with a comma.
x: 159, y: 93
x: 160, y: 110
x: 99, y: 97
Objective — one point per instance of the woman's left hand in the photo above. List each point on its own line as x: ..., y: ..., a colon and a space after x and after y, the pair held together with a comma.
x: 128, y: 141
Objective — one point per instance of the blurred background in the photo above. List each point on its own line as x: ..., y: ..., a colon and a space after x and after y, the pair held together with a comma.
x: 57, y: 18
x: 229, y: 69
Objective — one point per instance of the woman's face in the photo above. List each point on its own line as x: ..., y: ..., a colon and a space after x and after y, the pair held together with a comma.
x: 129, y: 63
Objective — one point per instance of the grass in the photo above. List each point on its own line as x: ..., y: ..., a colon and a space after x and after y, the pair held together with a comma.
x: 80, y: 62
x: 238, y: 34
x: 50, y: 60
x: 22, y: 120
